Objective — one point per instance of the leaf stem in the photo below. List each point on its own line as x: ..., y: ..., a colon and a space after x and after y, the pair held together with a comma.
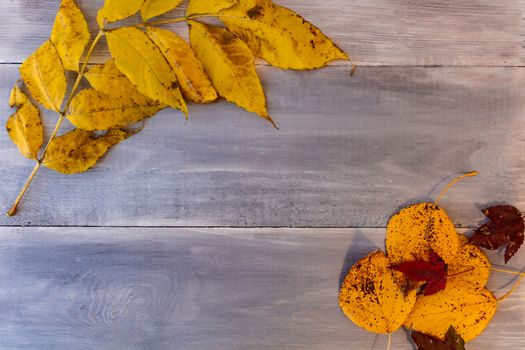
x: 513, y: 289
x: 456, y: 180
x: 510, y: 272
x: 184, y: 19
x: 14, y: 208
x: 389, y: 341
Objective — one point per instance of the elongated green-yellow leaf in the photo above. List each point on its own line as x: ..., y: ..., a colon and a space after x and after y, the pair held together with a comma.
x: 194, y: 83
x: 70, y: 34
x: 196, y: 7
x: 145, y: 66
x: 107, y: 79
x: 44, y: 76
x: 154, y: 8
x: 92, y: 110
x: 78, y: 151
x: 25, y: 125
x: 116, y: 10
x: 229, y: 64
x: 280, y: 36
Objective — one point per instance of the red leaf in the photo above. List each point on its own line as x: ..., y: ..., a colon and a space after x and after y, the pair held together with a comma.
x: 453, y: 341
x: 505, y: 227
x: 434, y: 272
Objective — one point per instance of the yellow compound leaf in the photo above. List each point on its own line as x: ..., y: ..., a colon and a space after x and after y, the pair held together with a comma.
x: 470, y: 267
x: 92, y: 110
x: 116, y: 10
x: 154, y: 8
x: 229, y: 64
x: 70, y: 34
x: 197, y: 7
x: 78, y: 151
x: 44, y: 76
x: 280, y: 36
x: 419, y: 229
x: 194, y: 83
x: 145, y: 66
x: 107, y: 79
x: 467, y: 309
x: 25, y: 125
x: 372, y: 297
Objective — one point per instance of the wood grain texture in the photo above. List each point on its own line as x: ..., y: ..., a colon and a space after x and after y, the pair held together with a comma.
x: 374, y: 32
x: 90, y: 288
x: 350, y: 151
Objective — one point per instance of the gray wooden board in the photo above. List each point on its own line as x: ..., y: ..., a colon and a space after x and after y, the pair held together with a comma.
x: 374, y: 32
x: 146, y: 288
x: 350, y: 151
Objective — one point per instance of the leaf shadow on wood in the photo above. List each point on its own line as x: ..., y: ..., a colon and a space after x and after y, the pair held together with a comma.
x: 358, y: 248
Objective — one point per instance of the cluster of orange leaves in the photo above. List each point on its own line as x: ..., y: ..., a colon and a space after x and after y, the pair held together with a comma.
x: 380, y: 299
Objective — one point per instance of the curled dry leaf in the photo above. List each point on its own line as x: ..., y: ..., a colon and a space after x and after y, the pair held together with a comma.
x: 25, y: 125
x: 116, y: 10
x: 467, y: 309
x: 145, y: 66
x: 505, y: 227
x: 372, y: 295
x: 419, y: 229
x: 78, y: 151
x: 44, y: 76
x: 199, y: 7
x: 280, y: 36
x: 194, y: 82
x: 70, y: 34
x: 92, y: 110
x: 154, y: 8
x: 452, y: 341
x: 229, y: 63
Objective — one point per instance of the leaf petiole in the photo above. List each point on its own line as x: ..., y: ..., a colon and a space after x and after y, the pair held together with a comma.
x: 12, y: 211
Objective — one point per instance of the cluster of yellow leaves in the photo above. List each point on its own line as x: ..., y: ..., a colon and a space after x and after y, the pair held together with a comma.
x: 152, y: 69
x: 380, y: 299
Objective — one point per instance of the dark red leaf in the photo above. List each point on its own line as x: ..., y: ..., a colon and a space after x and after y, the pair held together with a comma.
x: 505, y: 227
x: 453, y: 341
x: 434, y: 272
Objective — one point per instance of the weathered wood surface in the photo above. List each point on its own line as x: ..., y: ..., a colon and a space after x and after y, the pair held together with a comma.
x: 145, y: 288
x: 349, y: 152
x: 374, y: 32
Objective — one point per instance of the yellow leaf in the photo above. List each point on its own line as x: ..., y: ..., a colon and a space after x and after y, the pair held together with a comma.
x: 154, y: 8
x: 107, y: 79
x: 143, y: 63
x: 416, y: 230
x: 468, y: 310
x: 229, y: 64
x: 92, y: 110
x: 197, y: 7
x: 78, y: 151
x: 470, y: 267
x: 194, y: 83
x: 116, y: 10
x: 70, y: 34
x: 372, y: 297
x: 44, y: 76
x: 25, y: 125
x: 280, y: 36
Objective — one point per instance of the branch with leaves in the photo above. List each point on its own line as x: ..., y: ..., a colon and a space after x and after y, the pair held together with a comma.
x: 151, y: 69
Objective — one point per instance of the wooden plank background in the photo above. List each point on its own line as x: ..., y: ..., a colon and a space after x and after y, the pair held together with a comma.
x: 216, y: 289
x: 195, y: 246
